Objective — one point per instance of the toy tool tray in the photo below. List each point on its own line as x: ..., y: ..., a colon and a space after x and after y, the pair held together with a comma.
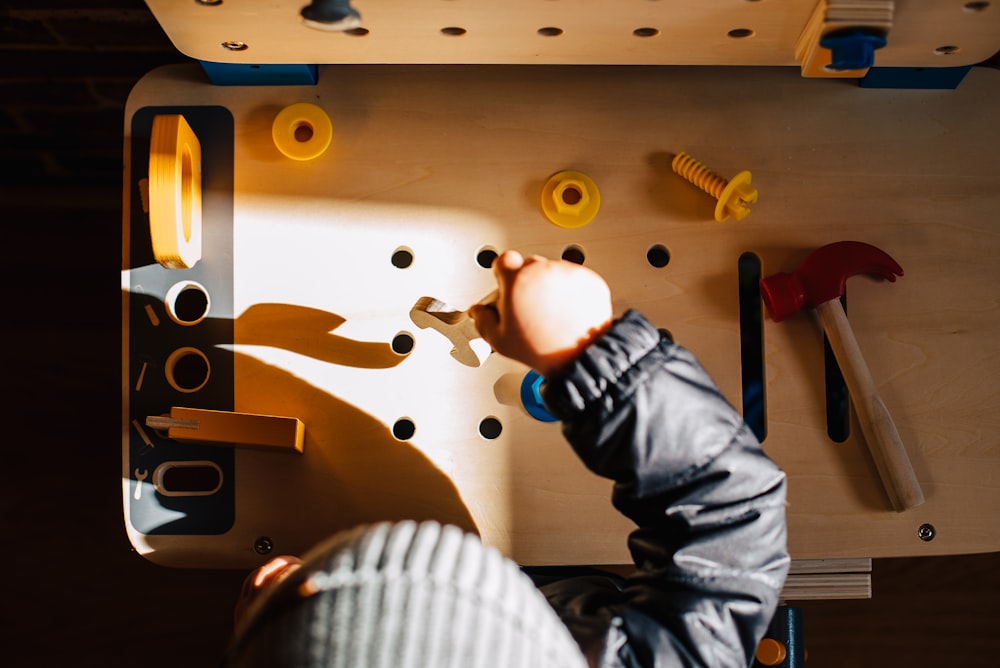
x: 309, y: 268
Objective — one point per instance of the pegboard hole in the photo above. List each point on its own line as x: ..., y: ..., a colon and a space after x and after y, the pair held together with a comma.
x: 402, y: 258
x: 658, y: 256
x: 550, y: 31
x: 490, y: 428
x: 646, y: 32
x: 976, y: 6
x: 402, y: 343
x: 486, y: 257
x: 947, y: 50
x: 573, y: 254
x: 404, y: 429
x: 454, y: 31
x: 187, y: 370
x: 739, y: 33
x: 303, y: 132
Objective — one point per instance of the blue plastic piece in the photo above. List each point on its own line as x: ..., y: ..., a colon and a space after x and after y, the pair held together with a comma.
x: 852, y: 49
x: 915, y: 77
x: 531, y: 397
x: 238, y: 74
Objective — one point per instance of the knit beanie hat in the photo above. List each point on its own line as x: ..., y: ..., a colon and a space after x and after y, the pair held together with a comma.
x: 404, y: 595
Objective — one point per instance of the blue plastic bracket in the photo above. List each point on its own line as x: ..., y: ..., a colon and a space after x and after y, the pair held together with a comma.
x: 915, y: 77
x: 238, y: 74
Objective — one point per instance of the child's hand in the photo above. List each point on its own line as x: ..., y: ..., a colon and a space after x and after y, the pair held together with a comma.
x: 547, y: 313
x: 260, y: 580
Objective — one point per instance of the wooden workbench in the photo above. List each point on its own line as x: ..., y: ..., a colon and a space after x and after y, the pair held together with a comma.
x: 446, y: 161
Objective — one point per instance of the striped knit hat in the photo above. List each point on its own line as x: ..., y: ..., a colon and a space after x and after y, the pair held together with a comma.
x: 405, y: 595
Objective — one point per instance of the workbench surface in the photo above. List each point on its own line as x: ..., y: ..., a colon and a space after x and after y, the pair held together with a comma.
x: 445, y: 162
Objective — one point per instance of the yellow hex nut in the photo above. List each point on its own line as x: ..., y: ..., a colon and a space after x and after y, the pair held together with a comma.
x: 570, y: 199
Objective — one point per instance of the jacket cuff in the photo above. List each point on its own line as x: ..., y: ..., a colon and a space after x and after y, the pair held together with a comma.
x: 602, y: 364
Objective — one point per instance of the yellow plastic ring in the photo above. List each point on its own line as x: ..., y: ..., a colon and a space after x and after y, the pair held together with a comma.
x: 174, y: 192
x: 302, y: 131
x: 570, y: 199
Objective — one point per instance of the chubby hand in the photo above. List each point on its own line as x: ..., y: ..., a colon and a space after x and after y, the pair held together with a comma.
x: 547, y: 313
x: 260, y: 580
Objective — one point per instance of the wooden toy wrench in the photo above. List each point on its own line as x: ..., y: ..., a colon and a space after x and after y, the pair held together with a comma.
x: 469, y: 348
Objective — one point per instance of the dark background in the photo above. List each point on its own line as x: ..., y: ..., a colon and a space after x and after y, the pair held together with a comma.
x: 74, y: 592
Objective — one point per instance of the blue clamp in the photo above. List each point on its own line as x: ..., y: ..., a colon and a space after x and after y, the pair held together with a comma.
x: 852, y: 49
x: 531, y: 397
x: 239, y: 74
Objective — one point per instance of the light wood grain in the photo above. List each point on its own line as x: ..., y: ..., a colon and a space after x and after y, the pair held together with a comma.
x: 447, y: 161
x: 879, y: 429
x: 591, y: 32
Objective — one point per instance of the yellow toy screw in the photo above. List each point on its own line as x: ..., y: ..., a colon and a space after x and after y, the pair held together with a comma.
x: 734, y: 196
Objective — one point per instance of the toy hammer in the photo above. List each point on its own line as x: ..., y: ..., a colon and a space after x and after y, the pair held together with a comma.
x: 468, y: 346
x: 819, y: 283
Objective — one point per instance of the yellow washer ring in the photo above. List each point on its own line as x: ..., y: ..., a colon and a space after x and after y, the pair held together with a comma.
x: 302, y: 131
x: 570, y: 199
x: 174, y: 192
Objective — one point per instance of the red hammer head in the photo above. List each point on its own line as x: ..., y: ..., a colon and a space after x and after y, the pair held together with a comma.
x: 822, y: 275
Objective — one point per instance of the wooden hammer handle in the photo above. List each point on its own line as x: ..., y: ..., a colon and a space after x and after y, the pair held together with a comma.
x: 880, y: 432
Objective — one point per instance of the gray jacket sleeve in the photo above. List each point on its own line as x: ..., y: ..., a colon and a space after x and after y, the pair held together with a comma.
x: 709, y: 507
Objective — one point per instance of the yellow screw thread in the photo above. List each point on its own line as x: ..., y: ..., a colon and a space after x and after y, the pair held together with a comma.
x: 698, y: 174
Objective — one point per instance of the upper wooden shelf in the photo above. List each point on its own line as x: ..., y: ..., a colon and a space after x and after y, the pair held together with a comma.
x: 924, y: 33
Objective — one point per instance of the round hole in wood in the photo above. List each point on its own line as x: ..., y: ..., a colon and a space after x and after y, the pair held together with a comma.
x: 486, y: 257
x: 658, y: 256
x: 402, y: 343
x: 490, y: 428
x: 573, y: 254
x: 404, y: 429
x: 738, y: 33
x: 402, y: 258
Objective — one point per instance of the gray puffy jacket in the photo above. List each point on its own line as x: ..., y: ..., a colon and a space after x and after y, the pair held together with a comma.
x: 709, y: 506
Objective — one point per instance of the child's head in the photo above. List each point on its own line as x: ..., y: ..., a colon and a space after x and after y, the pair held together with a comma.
x: 404, y: 594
